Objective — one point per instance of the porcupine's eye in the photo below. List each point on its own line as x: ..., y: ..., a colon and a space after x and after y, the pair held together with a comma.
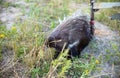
x: 50, y: 42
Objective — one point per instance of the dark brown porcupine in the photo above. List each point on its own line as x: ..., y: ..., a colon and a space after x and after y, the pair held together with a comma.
x: 75, y: 32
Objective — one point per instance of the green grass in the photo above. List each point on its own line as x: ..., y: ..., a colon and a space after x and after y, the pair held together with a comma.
x: 104, y: 16
x: 27, y: 40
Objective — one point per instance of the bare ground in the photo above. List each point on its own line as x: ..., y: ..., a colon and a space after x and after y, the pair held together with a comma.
x: 105, y: 44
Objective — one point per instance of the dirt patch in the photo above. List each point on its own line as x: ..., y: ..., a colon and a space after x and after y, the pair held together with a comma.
x: 103, y: 46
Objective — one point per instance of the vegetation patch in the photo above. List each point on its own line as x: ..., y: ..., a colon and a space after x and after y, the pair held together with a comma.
x: 104, y: 16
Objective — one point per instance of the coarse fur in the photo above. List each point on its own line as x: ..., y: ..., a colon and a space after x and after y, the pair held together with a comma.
x: 75, y: 32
